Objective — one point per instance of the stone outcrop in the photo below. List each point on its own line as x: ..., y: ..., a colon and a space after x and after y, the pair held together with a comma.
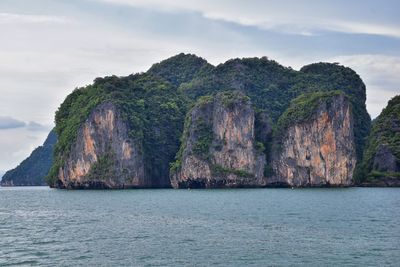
x: 319, y: 151
x: 219, y: 148
x: 103, y: 155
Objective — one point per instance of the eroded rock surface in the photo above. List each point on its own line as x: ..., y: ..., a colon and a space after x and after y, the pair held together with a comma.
x: 319, y: 151
x: 220, y: 148
x: 103, y: 156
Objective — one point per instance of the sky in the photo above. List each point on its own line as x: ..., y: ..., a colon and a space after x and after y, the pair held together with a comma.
x: 50, y: 47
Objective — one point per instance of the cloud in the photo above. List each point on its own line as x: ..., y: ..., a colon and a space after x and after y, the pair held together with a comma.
x: 274, y: 16
x: 10, y: 123
x: 311, y: 26
x: 364, y: 28
x: 12, y: 18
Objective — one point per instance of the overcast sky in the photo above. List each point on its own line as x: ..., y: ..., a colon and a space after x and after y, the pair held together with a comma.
x: 49, y: 47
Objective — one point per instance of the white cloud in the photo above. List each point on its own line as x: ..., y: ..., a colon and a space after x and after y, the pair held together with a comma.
x: 12, y: 18
x: 312, y: 26
x: 364, y: 28
x: 269, y: 16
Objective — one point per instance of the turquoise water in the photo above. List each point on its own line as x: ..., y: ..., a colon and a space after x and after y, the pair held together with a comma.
x: 246, y: 227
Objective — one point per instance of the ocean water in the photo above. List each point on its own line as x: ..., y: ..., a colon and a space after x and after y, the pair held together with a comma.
x: 245, y: 227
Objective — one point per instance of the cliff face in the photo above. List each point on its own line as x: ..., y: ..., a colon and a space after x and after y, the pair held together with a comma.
x: 103, y: 156
x: 319, y: 151
x: 219, y: 148
x: 118, y: 132
x: 32, y: 171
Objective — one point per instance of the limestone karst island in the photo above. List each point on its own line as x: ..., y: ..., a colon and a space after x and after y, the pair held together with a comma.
x: 248, y: 122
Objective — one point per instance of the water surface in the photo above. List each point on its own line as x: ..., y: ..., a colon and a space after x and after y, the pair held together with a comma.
x: 246, y: 227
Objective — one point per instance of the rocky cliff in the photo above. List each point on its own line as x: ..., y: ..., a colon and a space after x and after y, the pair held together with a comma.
x: 120, y: 132
x: 381, y: 162
x: 126, y: 131
x: 103, y: 155
x: 219, y: 147
x: 315, y: 145
x: 33, y: 170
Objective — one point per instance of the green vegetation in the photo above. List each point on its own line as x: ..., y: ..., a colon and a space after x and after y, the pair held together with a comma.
x: 377, y: 174
x: 203, y: 132
x: 177, y: 163
x: 181, y: 68
x: 231, y: 98
x: 33, y: 169
x: 260, y: 147
x: 385, y: 131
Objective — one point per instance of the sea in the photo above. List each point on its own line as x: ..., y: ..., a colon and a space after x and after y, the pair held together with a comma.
x: 40, y: 226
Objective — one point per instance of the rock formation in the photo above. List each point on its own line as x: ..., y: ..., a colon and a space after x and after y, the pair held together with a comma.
x: 103, y: 156
x: 219, y: 148
x: 318, y: 150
